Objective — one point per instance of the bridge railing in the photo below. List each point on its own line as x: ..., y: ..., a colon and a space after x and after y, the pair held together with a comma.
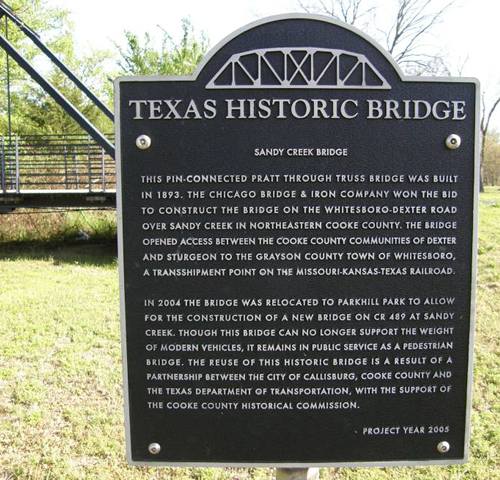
x: 54, y: 162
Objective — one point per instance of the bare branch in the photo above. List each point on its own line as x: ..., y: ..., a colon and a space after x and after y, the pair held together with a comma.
x: 325, y: 9
x: 305, y: 7
x: 461, y: 67
x: 413, y: 20
x: 421, y: 25
x: 321, y: 8
x: 348, y: 11
x: 486, y: 117
x: 483, y: 109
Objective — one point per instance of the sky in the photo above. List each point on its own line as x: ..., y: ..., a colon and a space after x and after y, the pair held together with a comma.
x: 469, y: 31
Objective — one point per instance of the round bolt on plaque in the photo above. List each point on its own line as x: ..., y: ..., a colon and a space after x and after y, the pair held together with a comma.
x: 154, y: 448
x: 453, y: 141
x: 443, y: 447
x: 143, y: 142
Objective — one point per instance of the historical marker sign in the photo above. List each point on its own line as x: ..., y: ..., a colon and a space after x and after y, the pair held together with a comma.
x: 297, y: 237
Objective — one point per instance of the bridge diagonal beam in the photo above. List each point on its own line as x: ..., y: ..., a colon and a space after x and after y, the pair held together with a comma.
x: 299, y: 68
x: 69, y: 108
x: 320, y: 76
x: 245, y: 70
x: 263, y: 57
x: 35, y: 38
x: 351, y: 71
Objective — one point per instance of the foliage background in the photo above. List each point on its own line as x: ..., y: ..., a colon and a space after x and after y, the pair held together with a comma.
x: 60, y: 365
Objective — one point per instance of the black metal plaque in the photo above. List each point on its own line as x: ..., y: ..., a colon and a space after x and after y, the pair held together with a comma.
x: 297, y: 237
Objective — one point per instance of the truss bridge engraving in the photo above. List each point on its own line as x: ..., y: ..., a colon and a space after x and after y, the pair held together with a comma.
x: 298, y: 67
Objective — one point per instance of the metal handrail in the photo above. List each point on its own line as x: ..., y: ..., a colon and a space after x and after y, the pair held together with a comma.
x: 48, y: 162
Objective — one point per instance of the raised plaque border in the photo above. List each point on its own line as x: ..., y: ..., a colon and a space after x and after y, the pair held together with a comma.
x: 403, y: 78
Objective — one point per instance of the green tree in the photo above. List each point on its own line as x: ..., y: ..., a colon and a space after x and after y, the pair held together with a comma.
x: 491, y: 160
x: 140, y: 56
x: 484, y: 127
x: 44, y: 115
x: 34, y: 111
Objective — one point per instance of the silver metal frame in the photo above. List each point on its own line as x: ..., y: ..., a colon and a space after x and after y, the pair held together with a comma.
x: 155, y: 78
x: 285, y: 83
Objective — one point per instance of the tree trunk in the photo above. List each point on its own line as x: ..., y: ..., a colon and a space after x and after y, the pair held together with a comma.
x: 481, y: 160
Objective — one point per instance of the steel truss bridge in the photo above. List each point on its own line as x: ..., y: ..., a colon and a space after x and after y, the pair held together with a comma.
x: 55, y: 170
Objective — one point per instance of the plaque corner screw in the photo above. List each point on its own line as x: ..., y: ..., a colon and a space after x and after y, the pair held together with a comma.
x: 443, y: 447
x: 154, y: 448
x: 453, y: 141
x: 143, y: 142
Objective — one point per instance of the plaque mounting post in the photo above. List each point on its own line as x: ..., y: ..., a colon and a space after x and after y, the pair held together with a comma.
x: 297, y: 474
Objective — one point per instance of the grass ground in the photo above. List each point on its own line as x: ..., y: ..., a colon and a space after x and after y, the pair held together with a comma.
x: 60, y: 367
x: 57, y: 226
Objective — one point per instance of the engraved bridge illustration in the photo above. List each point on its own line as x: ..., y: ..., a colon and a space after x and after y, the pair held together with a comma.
x: 298, y: 67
